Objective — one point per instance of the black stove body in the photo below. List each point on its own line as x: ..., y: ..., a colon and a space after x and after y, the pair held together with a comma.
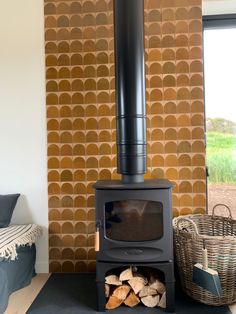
x: 134, y: 229
x: 133, y: 216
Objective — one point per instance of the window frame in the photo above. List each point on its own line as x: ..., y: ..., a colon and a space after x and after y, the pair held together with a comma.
x: 218, y: 21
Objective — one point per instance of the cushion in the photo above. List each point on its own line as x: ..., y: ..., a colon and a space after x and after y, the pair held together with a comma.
x: 7, y: 205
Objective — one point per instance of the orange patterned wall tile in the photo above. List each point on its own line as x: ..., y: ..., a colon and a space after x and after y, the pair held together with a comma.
x: 79, y: 58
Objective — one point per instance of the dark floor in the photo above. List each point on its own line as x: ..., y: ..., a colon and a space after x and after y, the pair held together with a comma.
x: 76, y: 294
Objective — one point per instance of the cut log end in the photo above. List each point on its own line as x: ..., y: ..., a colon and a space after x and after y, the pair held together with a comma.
x: 151, y: 300
x: 113, y: 280
x: 132, y: 300
x: 137, y: 284
x: 147, y: 291
x: 107, y: 290
x: 126, y: 274
x: 157, y: 284
x: 121, y: 292
x: 113, y: 303
x: 162, y: 302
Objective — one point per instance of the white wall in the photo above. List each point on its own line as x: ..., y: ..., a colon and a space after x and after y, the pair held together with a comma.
x: 212, y: 7
x: 23, y: 163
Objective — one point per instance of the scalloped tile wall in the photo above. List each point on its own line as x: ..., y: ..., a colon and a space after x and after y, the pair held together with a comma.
x: 81, y: 114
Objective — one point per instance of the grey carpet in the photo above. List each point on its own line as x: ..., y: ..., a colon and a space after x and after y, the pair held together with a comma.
x: 76, y: 294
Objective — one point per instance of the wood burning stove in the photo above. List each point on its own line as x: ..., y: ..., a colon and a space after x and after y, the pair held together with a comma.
x: 134, y: 229
x: 133, y: 216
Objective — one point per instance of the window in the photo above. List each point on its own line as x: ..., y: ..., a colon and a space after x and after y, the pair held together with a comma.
x: 220, y: 107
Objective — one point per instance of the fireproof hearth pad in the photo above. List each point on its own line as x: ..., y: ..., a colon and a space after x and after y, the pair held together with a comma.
x: 76, y: 294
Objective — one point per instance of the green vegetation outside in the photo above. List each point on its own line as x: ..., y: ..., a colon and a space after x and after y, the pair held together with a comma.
x: 221, y: 157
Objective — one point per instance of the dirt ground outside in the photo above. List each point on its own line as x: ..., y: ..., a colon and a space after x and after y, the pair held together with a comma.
x: 224, y: 194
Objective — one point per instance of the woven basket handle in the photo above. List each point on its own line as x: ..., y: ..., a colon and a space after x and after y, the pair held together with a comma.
x: 229, y: 210
x: 181, y: 219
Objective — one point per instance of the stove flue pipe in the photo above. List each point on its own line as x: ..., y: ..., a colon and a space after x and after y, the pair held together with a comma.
x: 130, y: 89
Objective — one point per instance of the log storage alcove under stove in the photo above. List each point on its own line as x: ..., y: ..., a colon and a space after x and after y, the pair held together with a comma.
x: 133, y: 216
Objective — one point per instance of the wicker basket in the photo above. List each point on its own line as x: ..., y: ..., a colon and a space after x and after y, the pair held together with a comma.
x: 220, y: 240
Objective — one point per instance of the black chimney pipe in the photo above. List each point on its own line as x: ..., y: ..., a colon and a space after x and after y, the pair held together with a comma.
x: 130, y: 89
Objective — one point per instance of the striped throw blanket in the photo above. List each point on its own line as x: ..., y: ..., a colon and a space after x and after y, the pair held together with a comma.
x: 16, y: 235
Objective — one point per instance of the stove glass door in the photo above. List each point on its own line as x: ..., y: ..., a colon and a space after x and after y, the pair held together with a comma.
x: 134, y: 220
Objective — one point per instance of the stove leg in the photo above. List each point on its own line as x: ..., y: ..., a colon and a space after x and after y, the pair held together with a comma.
x: 101, y: 300
x: 170, y: 296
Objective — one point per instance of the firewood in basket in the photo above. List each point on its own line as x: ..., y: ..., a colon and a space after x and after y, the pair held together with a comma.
x: 147, y: 291
x: 107, y: 290
x: 126, y: 274
x: 121, y: 292
x: 157, y: 284
x: 113, y: 280
x: 137, y: 284
x: 113, y: 303
x: 151, y: 300
x: 132, y: 300
x: 162, y: 302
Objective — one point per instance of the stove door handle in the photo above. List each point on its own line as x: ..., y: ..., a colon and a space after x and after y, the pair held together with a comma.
x: 97, y: 236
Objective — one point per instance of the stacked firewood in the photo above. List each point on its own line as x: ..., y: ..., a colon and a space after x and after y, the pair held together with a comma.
x: 132, y: 287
